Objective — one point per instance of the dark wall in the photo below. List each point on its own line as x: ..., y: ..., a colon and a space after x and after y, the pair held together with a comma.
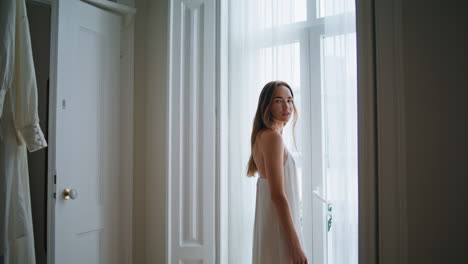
x: 39, y: 24
x: 436, y: 84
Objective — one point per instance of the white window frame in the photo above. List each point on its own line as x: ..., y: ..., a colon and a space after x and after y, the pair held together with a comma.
x: 309, y: 34
x: 370, y: 204
x: 367, y: 137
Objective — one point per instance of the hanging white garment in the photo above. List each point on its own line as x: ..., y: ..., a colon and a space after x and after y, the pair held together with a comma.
x: 269, y: 242
x: 19, y: 129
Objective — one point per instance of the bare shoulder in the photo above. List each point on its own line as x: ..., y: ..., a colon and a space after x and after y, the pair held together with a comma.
x: 270, y: 140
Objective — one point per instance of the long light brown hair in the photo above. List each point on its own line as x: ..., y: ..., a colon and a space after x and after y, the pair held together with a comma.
x: 263, y: 119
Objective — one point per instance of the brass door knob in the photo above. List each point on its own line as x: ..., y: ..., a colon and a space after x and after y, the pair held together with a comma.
x: 70, y: 194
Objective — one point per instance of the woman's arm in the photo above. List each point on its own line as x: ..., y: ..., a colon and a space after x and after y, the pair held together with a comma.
x: 273, y: 152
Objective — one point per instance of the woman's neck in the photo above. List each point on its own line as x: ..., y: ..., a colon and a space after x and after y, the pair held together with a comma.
x: 278, y: 127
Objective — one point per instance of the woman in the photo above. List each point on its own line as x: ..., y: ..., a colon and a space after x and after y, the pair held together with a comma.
x: 277, y: 230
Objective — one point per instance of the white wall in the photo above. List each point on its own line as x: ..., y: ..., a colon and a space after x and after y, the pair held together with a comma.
x: 436, y: 99
x: 151, y: 39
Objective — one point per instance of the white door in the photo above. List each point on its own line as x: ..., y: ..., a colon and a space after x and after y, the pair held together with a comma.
x: 87, y: 134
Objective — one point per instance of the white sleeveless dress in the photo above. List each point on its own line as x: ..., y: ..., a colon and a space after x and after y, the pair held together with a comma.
x: 269, y: 242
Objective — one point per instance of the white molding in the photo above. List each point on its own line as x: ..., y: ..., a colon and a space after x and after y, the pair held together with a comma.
x: 51, y: 187
x: 126, y: 12
x: 193, y: 4
x: 192, y: 132
x: 111, y: 6
x: 367, y: 163
x: 191, y: 89
x: 222, y: 132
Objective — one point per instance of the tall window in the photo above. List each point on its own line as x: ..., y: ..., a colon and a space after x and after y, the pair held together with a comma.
x: 311, y: 44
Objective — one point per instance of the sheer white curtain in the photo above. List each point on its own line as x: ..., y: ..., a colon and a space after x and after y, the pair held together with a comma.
x: 274, y: 40
x: 339, y: 126
x: 257, y: 54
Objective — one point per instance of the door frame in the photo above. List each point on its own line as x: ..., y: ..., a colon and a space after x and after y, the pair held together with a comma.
x: 126, y: 81
x: 381, y: 136
x: 367, y: 134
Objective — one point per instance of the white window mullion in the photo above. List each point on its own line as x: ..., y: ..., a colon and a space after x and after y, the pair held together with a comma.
x: 315, y: 217
x: 306, y: 151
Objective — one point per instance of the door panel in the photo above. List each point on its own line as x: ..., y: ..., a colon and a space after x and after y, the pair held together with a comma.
x: 192, y: 174
x: 87, y: 134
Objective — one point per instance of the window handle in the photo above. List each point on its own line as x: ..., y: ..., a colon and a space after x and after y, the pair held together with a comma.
x: 318, y: 196
x: 329, y: 214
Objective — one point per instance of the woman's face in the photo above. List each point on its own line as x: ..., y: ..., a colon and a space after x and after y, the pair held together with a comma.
x: 282, y: 104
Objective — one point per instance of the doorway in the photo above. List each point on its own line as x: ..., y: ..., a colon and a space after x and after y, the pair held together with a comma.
x: 39, y: 18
